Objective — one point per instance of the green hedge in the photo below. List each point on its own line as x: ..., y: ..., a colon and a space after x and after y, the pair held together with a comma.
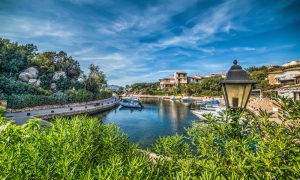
x: 13, y: 86
x: 16, y: 101
x: 22, y: 101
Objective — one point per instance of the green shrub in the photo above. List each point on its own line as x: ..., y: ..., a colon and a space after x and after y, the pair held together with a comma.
x: 237, y: 145
x: 103, y: 95
x: 2, y: 111
x: 80, y: 95
x: 233, y: 145
x: 81, y: 148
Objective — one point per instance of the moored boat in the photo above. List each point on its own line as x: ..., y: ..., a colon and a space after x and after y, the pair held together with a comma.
x: 186, y: 101
x: 131, y: 103
x: 212, y: 110
x: 172, y: 98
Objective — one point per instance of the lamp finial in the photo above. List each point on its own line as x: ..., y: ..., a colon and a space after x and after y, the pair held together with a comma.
x: 235, y: 62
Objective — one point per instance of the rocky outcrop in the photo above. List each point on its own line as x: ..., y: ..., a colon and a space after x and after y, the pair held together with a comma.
x: 29, y: 73
x: 59, y: 74
x: 53, y: 87
x: 35, y: 82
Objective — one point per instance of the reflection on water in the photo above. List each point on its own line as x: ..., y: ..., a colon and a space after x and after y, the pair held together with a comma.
x: 157, y: 118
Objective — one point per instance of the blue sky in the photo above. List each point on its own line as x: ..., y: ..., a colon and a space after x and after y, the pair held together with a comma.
x: 136, y: 41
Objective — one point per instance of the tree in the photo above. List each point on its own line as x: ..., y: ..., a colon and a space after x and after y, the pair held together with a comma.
x: 44, y: 62
x: 91, y: 85
x: 97, y: 74
x: 95, y: 79
x: 14, y: 57
x: 66, y: 63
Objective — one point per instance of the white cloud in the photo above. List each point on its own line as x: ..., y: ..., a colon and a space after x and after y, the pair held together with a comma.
x: 30, y: 28
x: 217, y: 20
x: 238, y: 49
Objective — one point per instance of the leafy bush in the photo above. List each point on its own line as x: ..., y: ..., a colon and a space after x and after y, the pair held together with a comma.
x: 103, y: 95
x: 2, y: 111
x: 80, y: 95
x: 82, y: 148
x: 235, y: 145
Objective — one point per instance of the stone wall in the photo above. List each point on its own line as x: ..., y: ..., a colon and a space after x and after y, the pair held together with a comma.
x: 52, y: 106
x: 86, y: 111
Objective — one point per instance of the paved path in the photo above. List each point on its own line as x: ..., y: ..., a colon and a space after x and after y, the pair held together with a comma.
x: 22, y: 117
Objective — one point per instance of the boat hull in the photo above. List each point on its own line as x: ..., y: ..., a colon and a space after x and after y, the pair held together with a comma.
x: 130, y: 105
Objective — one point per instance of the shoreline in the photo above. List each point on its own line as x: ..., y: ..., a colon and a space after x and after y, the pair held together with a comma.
x: 176, y: 97
x: 93, y: 107
x: 9, y: 110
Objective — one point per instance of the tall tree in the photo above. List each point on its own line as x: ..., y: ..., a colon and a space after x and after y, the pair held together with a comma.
x: 95, y: 79
x: 14, y: 57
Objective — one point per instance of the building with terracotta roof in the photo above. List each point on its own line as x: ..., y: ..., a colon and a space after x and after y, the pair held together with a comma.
x: 291, y: 81
x: 284, y: 77
x: 179, y: 79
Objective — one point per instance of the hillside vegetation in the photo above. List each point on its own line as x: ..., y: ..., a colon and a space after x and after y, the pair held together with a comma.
x: 208, y: 86
x: 29, y: 78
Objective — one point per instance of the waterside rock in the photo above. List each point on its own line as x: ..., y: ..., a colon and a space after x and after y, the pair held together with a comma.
x: 53, y: 87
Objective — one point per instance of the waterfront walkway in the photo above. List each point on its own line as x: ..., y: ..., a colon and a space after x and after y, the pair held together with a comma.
x: 47, y: 114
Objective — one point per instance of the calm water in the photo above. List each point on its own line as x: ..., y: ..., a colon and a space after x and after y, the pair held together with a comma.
x: 157, y: 118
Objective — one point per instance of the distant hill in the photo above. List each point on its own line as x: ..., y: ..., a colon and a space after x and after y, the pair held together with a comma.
x: 113, y: 87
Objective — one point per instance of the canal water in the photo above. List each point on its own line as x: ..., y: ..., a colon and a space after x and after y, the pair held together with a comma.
x: 157, y: 118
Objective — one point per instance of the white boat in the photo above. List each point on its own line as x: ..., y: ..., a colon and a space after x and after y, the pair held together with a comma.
x: 200, y: 102
x: 131, y: 103
x: 186, y: 101
x: 214, y: 111
x: 172, y: 98
x: 136, y: 99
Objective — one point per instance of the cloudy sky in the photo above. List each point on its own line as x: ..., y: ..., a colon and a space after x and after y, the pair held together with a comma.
x: 144, y: 40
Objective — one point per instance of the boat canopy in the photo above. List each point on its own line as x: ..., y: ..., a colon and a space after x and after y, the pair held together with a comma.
x: 213, y: 102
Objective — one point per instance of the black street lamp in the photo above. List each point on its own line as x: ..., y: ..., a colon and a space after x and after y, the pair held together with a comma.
x: 237, y: 87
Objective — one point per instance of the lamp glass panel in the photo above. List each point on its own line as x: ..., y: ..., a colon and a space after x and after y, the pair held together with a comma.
x: 237, y: 94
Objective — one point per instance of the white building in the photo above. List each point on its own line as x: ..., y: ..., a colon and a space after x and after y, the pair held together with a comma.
x: 292, y: 63
x: 291, y: 91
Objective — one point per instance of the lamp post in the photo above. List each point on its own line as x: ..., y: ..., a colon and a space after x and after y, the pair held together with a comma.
x: 237, y: 87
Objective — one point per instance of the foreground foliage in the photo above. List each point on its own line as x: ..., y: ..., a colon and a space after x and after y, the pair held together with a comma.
x: 235, y: 145
x: 72, y: 149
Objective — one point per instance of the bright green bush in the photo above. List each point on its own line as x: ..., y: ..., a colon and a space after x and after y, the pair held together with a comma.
x: 81, y: 148
x: 2, y: 111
